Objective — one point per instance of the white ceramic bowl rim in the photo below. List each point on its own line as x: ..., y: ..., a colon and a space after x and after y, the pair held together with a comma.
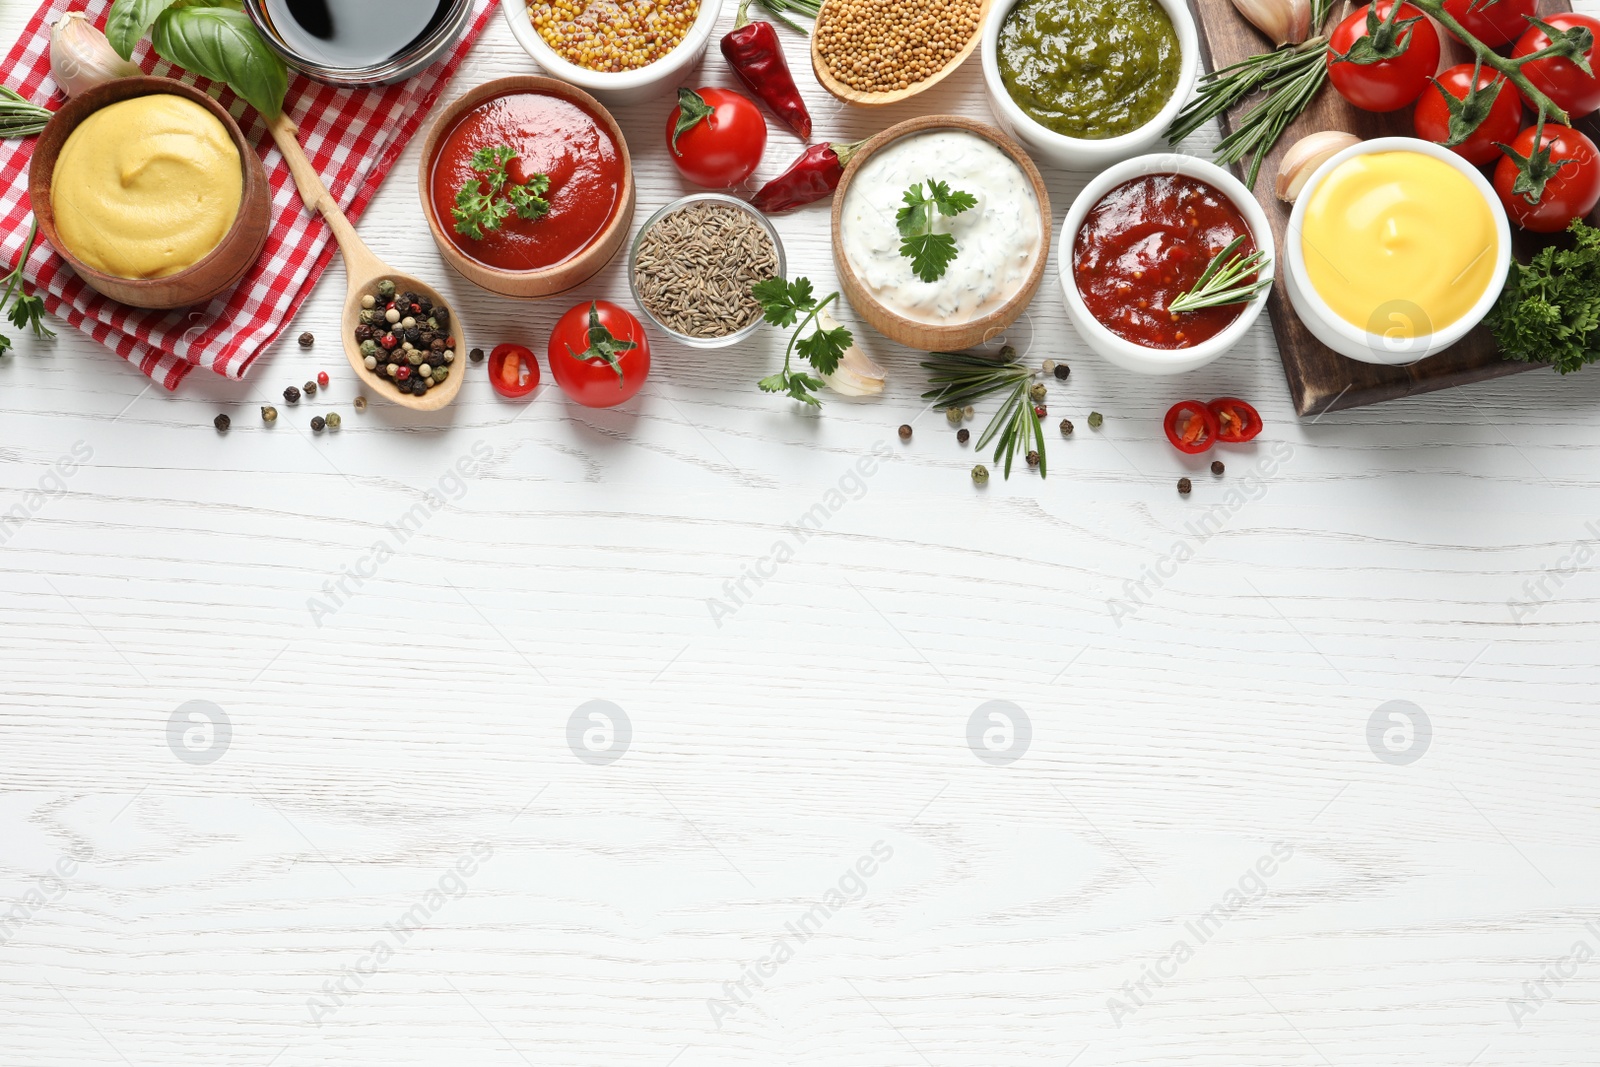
x: 1193, y: 167
x: 1188, y: 70
x: 677, y: 205
x: 699, y: 32
x: 1377, y: 342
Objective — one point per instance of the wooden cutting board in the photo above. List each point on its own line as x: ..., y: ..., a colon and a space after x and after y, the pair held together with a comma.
x: 1320, y: 379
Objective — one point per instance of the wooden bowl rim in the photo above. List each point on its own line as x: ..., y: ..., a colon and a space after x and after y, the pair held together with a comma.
x: 72, y: 114
x: 501, y: 87
x: 826, y: 79
x: 921, y: 124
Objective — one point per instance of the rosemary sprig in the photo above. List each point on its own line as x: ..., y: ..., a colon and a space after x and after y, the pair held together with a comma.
x: 959, y: 379
x: 18, y: 116
x: 1222, y: 282
x: 779, y: 9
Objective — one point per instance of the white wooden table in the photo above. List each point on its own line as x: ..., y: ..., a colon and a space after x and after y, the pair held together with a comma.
x: 300, y: 899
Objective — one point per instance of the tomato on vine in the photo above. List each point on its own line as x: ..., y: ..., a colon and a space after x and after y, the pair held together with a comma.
x: 1381, y: 57
x: 1494, y: 22
x: 1566, y: 73
x: 1470, y: 111
x: 599, y: 354
x: 1548, y: 176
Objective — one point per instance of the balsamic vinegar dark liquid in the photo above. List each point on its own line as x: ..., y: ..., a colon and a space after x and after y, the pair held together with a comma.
x: 353, y: 33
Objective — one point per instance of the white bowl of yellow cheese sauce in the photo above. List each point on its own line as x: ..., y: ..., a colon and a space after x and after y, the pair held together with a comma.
x: 1396, y: 248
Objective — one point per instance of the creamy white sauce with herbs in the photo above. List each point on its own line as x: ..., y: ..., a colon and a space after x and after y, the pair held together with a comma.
x: 997, y: 241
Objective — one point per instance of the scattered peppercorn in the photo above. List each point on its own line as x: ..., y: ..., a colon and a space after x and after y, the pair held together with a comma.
x: 1095, y: 420
x: 969, y: 411
x: 1040, y: 410
x: 360, y: 402
x: 291, y: 395
x: 953, y: 416
x: 322, y: 378
x: 1008, y: 353
x: 1216, y: 466
x: 1062, y: 370
x: 980, y: 474
x: 310, y: 389
x: 476, y: 355
x: 1066, y: 427
x: 1033, y: 459
x: 1049, y: 366
x: 269, y: 413
x: 317, y: 423
x: 905, y: 431
x: 222, y: 422
x: 333, y: 420
x: 306, y: 340
x: 1184, y: 485
x: 1036, y: 392
x: 963, y: 434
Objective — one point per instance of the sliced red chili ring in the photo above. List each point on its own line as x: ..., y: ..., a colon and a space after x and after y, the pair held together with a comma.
x: 1237, y: 421
x: 513, y: 371
x: 1190, y: 426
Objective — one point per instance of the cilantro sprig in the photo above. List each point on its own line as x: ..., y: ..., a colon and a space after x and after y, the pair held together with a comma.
x: 482, y: 204
x: 28, y: 311
x: 782, y: 304
x: 1550, y: 309
x: 930, y: 253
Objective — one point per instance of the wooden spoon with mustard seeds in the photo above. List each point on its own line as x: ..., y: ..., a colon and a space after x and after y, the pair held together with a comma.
x: 363, y: 272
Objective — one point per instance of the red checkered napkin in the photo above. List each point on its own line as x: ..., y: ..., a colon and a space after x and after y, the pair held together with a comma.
x: 353, y: 137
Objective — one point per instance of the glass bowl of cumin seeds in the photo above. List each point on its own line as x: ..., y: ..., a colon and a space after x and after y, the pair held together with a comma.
x: 693, y: 263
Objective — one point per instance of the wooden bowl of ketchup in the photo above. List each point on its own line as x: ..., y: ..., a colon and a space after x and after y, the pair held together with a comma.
x: 556, y: 130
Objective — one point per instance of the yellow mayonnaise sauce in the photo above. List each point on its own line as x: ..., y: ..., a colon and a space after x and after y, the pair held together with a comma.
x: 147, y: 187
x: 1402, y: 228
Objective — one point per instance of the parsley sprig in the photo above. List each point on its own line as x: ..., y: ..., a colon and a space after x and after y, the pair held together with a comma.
x: 782, y: 304
x: 930, y: 253
x: 28, y: 311
x: 1550, y: 309
x: 484, y: 203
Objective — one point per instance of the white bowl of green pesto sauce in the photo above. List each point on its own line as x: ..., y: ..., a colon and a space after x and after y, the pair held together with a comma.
x: 1084, y: 84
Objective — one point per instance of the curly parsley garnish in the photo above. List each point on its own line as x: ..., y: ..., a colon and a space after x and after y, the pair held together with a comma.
x: 28, y: 311
x: 930, y: 253
x: 1550, y: 309
x: 782, y: 304
x: 483, y: 204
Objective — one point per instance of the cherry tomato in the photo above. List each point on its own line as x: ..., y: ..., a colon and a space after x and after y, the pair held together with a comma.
x: 1557, y: 77
x: 1494, y: 22
x: 1500, y: 124
x: 599, y: 354
x: 513, y: 371
x: 716, y: 137
x: 1191, y: 427
x: 1407, y: 56
x: 1237, y: 421
x: 1571, y: 191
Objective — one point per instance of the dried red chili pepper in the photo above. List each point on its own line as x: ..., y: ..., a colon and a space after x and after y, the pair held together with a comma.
x: 753, y: 51
x: 810, y: 178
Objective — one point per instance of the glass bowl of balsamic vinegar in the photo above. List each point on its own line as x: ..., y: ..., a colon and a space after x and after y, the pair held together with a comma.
x: 360, y: 43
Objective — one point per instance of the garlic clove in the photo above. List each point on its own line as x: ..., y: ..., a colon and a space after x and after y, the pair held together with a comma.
x: 81, y: 57
x: 856, y: 374
x: 1282, y: 21
x: 1305, y: 156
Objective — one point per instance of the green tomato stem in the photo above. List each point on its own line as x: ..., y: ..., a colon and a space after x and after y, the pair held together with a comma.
x: 1511, y: 68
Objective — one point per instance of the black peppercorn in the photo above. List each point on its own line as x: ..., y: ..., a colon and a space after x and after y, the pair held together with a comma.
x: 1184, y: 485
x: 364, y: 332
x: 441, y: 315
x: 291, y: 395
x: 306, y: 340
x: 1062, y: 370
x: 1033, y: 459
x: 317, y: 423
x: 310, y: 388
x: 905, y: 431
x: 222, y: 422
x: 963, y: 435
x: 476, y: 355
x: 1066, y: 427
x: 1216, y: 466
x: 419, y: 385
x: 414, y: 335
x: 438, y: 345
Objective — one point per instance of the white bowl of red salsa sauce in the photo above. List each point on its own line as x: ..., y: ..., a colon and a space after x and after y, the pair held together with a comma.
x: 1141, y: 234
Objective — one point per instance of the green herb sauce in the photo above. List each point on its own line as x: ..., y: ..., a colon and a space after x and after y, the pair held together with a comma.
x: 1089, y: 69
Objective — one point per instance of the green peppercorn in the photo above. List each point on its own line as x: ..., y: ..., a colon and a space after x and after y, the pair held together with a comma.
x: 222, y: 422
x: 1184, y: 485
x: 386, y: 290
x: 369, y: 348
x: 1096, y: 420
x: 953, y: 415
x: 1007, y: 354
x: 440, y: 374
x: 317, y: 423
x: 1066, y: 427
x: 1036, y: 392
x: 369, y: 316
x: 333, y: 420
x: 905, y: 431
x: 980, y: 474
x: 269, y: 413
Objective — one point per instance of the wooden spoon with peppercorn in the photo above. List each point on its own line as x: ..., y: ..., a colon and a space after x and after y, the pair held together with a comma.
x: 363, y: 272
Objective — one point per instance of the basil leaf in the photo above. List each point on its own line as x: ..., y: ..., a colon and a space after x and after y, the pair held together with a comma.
x: 129, y: 21
x: 221, y: 44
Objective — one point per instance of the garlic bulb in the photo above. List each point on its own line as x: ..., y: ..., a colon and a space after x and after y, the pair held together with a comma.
x: 1305, y: 156
x: 81, y: 57
x: 856, y: 374
x: 1283, y: 21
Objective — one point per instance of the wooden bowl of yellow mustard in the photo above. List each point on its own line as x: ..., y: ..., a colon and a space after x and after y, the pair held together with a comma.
x: 148, y: 189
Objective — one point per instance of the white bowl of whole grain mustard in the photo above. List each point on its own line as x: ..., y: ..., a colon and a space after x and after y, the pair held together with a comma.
x: 1128, y: 247
x: 1079, y: 96
x: 657, y: 79
x: 1001, y: 241
x: 1397, y: 247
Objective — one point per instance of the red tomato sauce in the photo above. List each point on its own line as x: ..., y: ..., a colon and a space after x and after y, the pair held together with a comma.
x: 551, y: 136
x: 1146, y: 243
